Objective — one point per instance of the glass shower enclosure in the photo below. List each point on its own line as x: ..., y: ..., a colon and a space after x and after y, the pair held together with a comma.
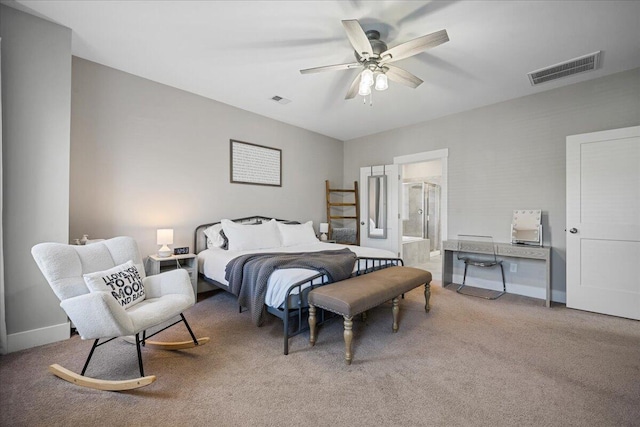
x: 421, y: 212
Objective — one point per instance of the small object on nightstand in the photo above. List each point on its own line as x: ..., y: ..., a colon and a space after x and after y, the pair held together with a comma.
x: 180, y: 251
x: 164, y: 238
x: 84, y: 239
x: 324, y: 229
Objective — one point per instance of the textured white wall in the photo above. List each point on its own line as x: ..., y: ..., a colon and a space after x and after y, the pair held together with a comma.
x: 36, y: 97
x: 147, y: 156
x: 509, y: 155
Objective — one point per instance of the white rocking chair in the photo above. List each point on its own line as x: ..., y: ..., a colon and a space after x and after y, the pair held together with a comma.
x: 99, y: 316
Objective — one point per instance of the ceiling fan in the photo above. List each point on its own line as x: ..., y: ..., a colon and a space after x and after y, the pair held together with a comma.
x: 374, y: 58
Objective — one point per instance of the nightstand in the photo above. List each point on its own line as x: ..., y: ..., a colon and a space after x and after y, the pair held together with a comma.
x: 189, y: 262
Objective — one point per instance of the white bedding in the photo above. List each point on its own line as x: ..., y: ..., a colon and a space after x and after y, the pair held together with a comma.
x: 212, y: 263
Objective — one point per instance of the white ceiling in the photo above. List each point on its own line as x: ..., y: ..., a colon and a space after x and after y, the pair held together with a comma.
x: 244, y: 52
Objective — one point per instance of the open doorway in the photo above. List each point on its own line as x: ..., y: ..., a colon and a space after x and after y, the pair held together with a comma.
x: 422, y: 207
x: 421, y: 201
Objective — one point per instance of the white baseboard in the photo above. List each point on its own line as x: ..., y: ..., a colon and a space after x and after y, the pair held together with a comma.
x: 513, y: 288
x: 35, y: 337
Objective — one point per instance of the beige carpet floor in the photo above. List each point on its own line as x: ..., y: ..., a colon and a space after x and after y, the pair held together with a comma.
x: 469, y: 362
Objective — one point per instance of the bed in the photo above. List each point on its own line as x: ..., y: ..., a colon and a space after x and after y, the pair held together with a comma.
x: 286, y: 288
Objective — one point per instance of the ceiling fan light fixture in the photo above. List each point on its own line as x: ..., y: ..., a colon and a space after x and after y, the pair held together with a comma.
x: 364, y: 88
x: 382, y: 83
x: 373, y: 57
x: 367, y: 77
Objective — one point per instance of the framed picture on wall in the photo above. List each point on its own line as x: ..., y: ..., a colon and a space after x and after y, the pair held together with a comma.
x: 255, y: 164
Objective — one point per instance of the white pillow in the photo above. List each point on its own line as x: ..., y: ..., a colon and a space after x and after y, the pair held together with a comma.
x: 259, y: 236
x: 214, y: 239
x: 297, y: 234
x: 122, y: 281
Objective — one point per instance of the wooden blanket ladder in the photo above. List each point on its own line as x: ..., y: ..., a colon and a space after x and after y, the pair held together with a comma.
x: 343, y: 213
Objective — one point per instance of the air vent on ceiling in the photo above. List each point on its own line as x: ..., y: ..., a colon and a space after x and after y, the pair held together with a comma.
x: 568, y: 68
x: 281, y: 100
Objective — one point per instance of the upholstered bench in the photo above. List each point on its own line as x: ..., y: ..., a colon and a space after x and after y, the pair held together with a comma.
x: 358, y: 294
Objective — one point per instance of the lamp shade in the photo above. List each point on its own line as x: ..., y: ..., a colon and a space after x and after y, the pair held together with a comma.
x: 381, y: 82
x: 324, y: 227
x: 364, y: 89
x: 165, y: 236
x: 367, y: 77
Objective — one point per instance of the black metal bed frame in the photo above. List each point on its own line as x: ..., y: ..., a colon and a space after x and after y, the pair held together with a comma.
x: 305, y: 286
x: 302, y: 288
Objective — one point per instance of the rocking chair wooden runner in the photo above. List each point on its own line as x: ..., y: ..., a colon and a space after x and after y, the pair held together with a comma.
x: 98, y: 314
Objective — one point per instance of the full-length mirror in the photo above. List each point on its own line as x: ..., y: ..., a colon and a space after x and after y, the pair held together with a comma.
x: 377, y: 207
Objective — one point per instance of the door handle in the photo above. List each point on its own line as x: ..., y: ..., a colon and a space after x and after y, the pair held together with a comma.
x: 361, y: 222
x: 419, y: 211
x: 573, y: 231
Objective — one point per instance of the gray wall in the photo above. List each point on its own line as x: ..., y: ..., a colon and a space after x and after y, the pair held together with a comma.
x: 510, y: 155
x: 147, y: 156
x: 36, y: 98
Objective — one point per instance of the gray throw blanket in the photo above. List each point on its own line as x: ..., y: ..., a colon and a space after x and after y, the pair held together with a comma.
x: 248, y: 274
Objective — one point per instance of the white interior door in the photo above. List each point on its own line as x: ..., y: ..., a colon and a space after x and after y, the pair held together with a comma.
x: 367, y: 212
x: 603, y: 222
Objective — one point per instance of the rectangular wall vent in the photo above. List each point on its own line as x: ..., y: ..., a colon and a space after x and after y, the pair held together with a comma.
x: 568, y: 68
x: 281, y: 100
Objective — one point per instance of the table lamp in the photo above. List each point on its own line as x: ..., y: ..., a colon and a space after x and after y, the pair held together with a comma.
x: 324, y: 229
x: 164, y: 238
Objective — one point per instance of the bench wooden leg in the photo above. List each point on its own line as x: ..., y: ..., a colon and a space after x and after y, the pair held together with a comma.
x: 427, y: 296
x: 395, y: 310
x: 312, y: 324
x: 348, y: 339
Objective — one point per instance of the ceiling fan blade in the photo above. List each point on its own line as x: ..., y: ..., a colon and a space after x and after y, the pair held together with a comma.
x: 357, y: 37
x: 353, y: 89
x: 414, y: 46
x: 401, y: 76
x: 330, y: 68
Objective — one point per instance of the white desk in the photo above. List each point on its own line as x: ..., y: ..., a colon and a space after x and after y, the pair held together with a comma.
x: 503, y: 250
